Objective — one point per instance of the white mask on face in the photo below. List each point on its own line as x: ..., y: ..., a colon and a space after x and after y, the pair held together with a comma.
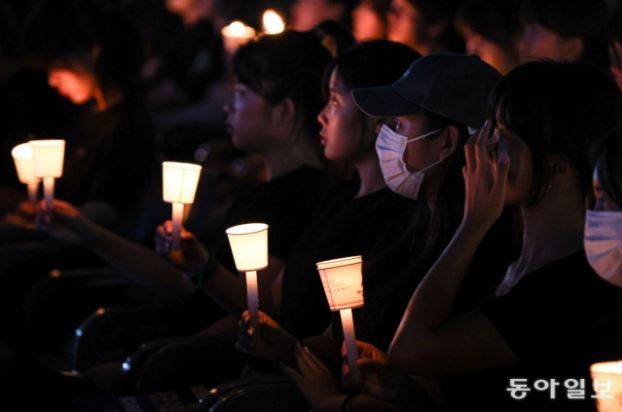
x: 390, y: 147
x: 603, y: 244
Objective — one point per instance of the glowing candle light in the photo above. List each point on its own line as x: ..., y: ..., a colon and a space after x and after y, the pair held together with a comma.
x: 22, y: 156
x: 249, y: 244
x: 272, y: 22
x: 607, y: 382
x: 179, y: 185
x: 47, y: 158
x: 343, y: 285
x: 235, y: 35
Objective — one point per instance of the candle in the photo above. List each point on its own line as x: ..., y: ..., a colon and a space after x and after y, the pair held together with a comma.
x: 342, y: 280
x: 179, y: 186
x: 22, y: 157
x: 48, y: 158
x: 272, y: 22
x: 607, y: 382
x: 249, y: 245
x: 235, y: 35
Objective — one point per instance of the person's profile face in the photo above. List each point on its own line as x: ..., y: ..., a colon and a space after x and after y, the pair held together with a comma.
x: 77, y: 86
x: 248, y: 118
x: 342, y: 134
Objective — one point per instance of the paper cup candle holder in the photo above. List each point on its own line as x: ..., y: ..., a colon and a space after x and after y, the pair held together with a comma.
x: 249, y: 245
x: 343, y: 284
x: 179, y: 185
x: 607, y: 385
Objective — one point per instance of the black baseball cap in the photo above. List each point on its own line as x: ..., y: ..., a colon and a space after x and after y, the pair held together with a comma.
x: 455, y: 86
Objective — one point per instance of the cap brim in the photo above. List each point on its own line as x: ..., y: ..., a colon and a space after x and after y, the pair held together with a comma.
x: 383, y: 102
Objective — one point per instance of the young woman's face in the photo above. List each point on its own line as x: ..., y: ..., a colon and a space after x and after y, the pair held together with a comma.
x: 344, y: 130
x: 520, y: 175
x: 77, y: 86
x: 420, y: 153
x: 602, y: 201
x: 248, y: 119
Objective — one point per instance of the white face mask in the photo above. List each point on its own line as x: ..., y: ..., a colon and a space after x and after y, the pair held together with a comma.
x: 603, y: 244
x: 390, y: 147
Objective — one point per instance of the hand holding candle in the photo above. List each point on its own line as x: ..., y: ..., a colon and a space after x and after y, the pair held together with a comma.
x: 343, y: 284
x: 48, y: 157
x: 22, y: 156
x: 249, y: 244
x: 179, y: 185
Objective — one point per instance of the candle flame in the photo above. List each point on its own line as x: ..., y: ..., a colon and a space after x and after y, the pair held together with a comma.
x: 238, y: 29
x: 272, y: 22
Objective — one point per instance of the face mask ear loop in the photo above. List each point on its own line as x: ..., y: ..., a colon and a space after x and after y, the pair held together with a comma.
x: 423, y: 136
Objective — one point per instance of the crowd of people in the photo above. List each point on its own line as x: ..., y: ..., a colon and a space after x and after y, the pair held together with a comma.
x: 470, y: 151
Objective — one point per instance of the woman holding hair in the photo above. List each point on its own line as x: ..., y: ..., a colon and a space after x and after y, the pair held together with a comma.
x: 531, y: 153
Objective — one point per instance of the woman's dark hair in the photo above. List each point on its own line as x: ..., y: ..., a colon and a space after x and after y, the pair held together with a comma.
x: 370, y: 64
x: 287, y: 65
x: 557, y: 109
x: 609, y: 167
x: 86, y: 35
x: 373, y: 63
x: 494, y: 20
x: 585, y: 19
x: 334, y: 36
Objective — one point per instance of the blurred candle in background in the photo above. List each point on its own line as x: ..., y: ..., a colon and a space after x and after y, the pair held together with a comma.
x: 272, y: 21
x: 235, y: 35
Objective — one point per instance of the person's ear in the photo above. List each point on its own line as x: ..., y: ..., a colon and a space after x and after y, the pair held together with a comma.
x: 572, y: 48
x: 284, y: 113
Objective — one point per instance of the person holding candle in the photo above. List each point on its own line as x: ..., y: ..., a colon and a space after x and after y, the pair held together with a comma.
x: 550, y: 300
x: 272, y: 113
x: 388, y: 286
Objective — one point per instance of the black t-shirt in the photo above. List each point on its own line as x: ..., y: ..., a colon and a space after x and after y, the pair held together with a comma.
x: 286, y: 204
x: 344, y: 226
x: 393, y: 278
x: 548, y: 320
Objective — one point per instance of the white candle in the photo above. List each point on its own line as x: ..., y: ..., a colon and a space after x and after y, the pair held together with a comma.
x: 33, y: 189
x: 252, y: 295
x: 347, y: 323
x: 48, y: 192
x: 178, y: 216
